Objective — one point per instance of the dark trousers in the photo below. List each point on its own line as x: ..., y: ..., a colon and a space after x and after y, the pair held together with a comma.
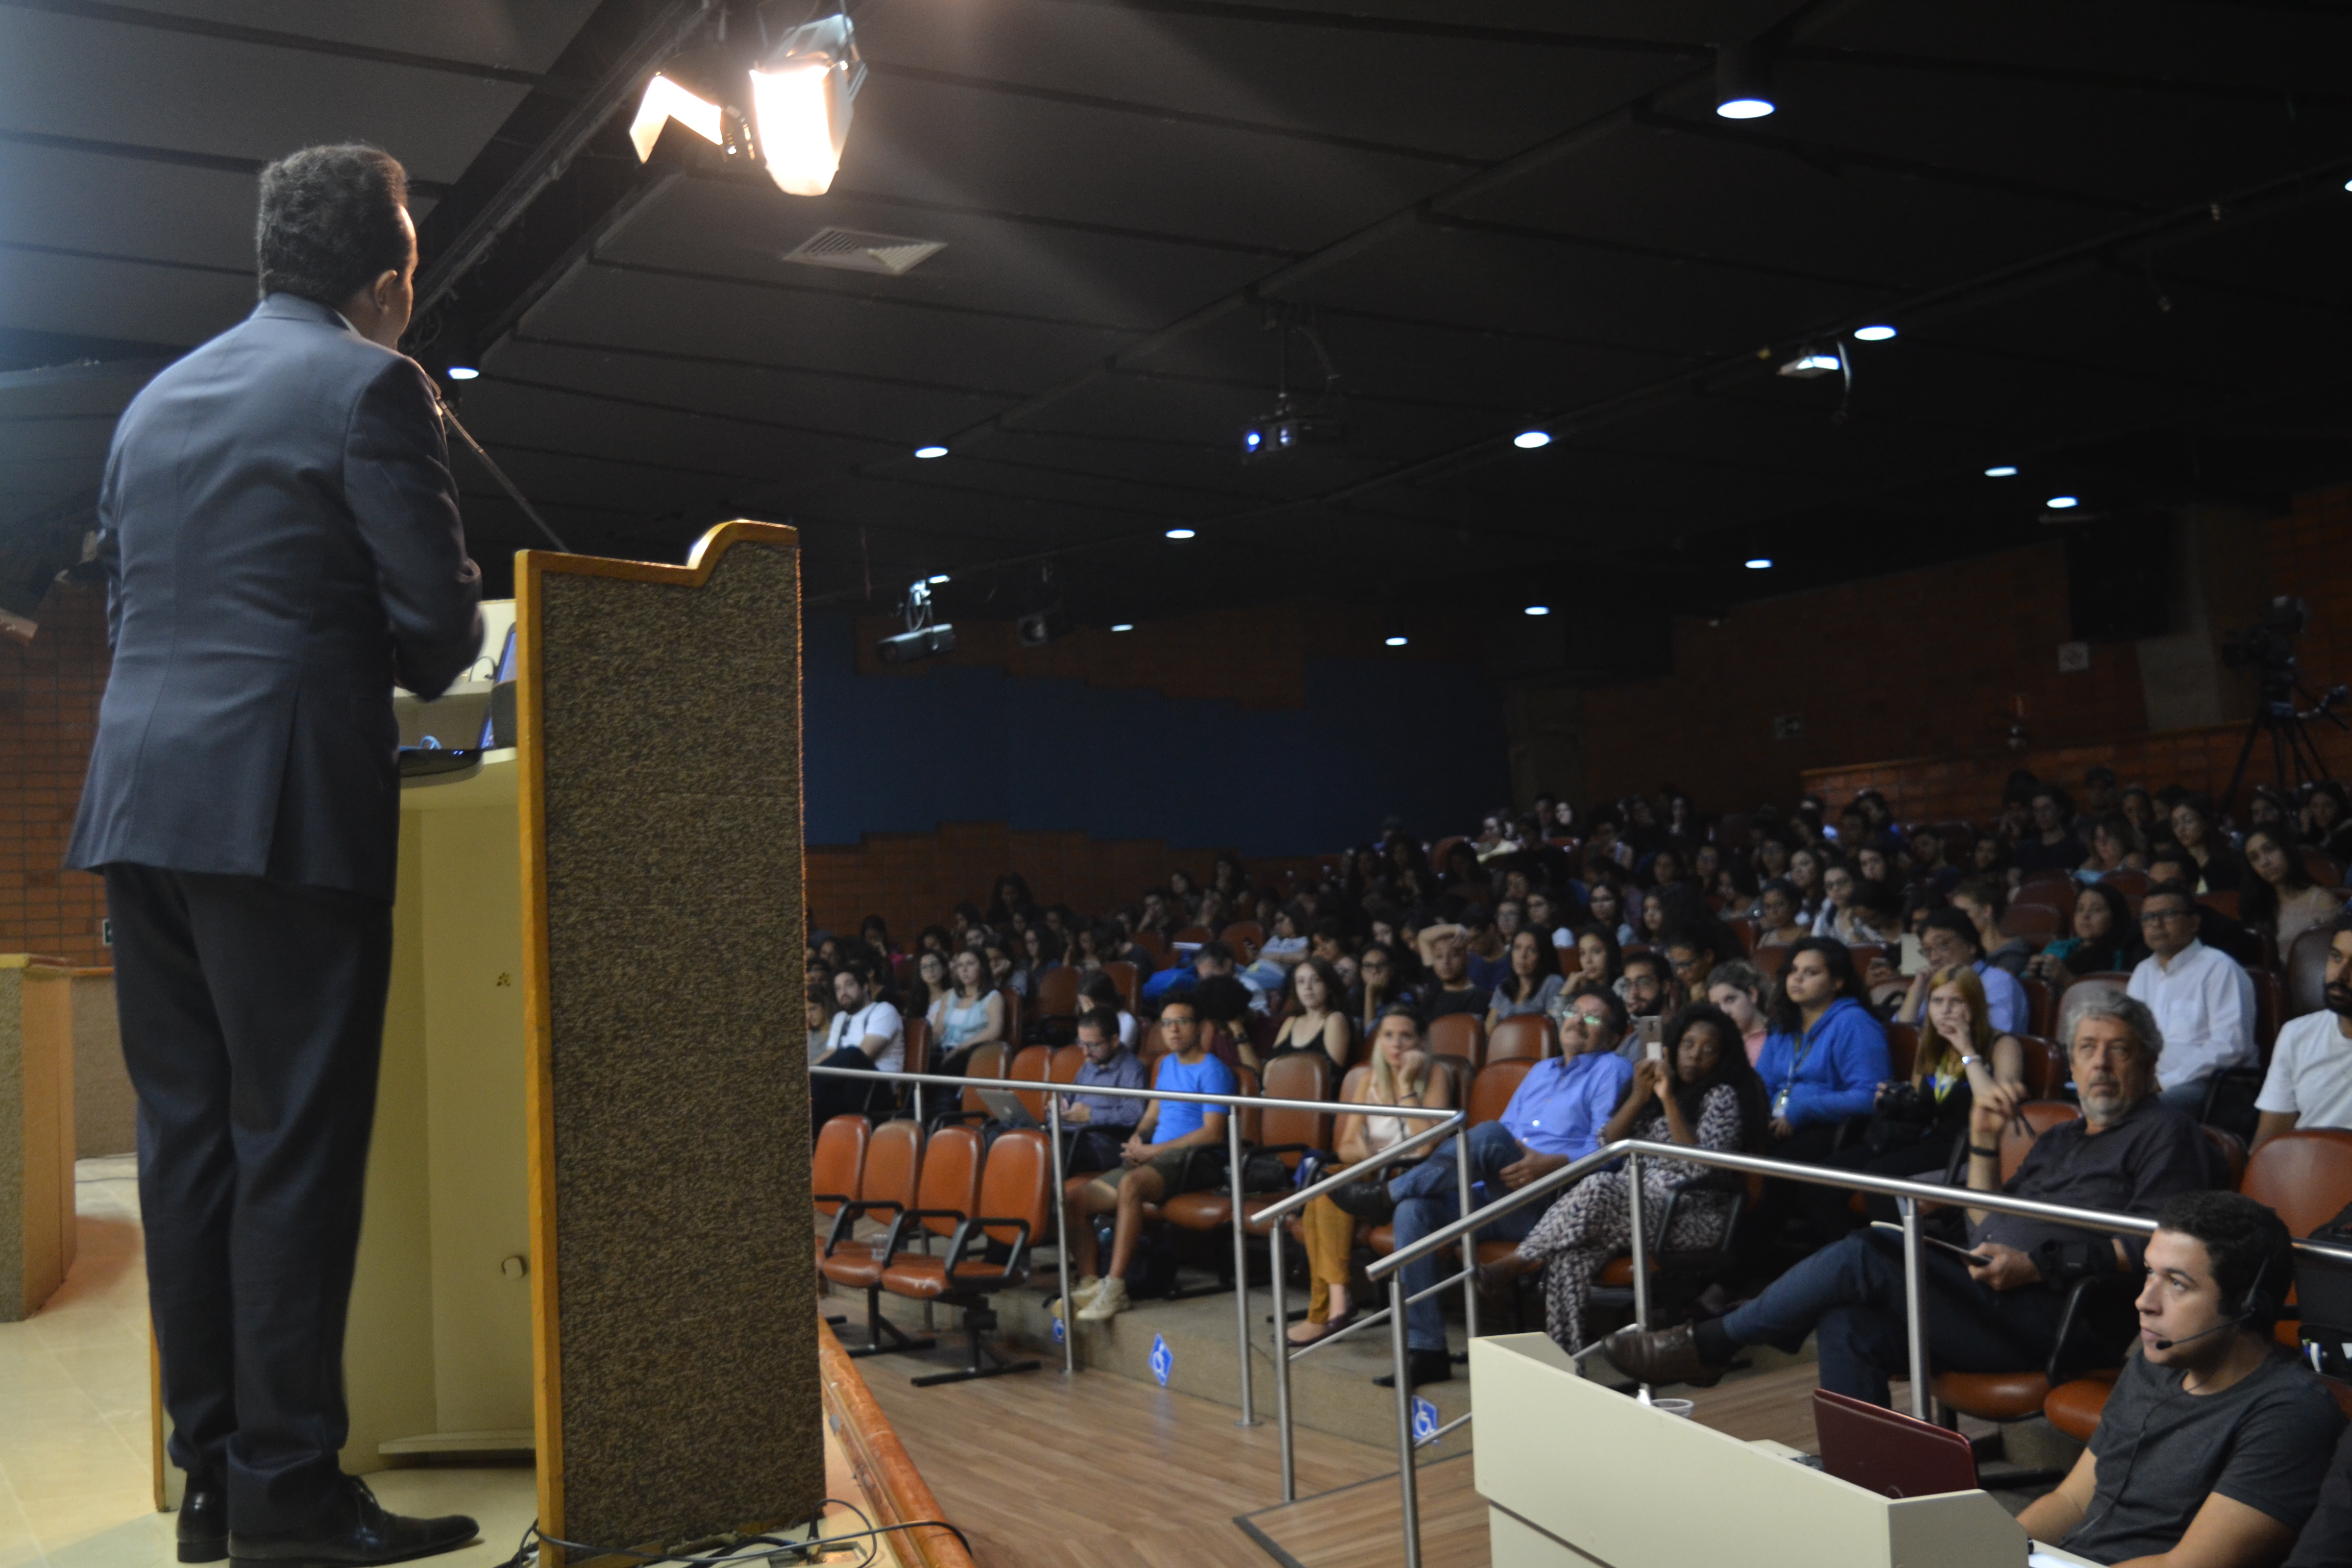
x: 252, y: 1015
x: 1852, y: 1292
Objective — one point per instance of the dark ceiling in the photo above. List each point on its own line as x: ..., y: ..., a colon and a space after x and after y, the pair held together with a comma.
x: 2113, y: 239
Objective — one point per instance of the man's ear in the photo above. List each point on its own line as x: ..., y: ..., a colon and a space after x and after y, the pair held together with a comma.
x: 382, y: 291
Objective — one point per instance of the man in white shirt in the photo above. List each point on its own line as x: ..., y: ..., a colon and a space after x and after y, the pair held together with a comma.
x: 2310, y: 1081
x: 867, y: 1035
x: 2202, y: 999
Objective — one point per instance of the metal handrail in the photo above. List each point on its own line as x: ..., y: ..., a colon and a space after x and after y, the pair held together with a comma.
x: 1909, y: 1196
x: 1242, y: 1219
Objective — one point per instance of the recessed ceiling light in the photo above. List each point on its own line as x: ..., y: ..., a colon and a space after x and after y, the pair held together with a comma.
x: 2348, y: 185
x: 2001, y: 472
x: 1396, y: 642
x: 1760, y: 564
x: 1539, y: 609
x: 463, y: 373
x: 940, y: 578
x: 1180, y: 533
x: 1124, y: 626
x: 1872, y: 334
x: 1744, y: 107
x: 931, y: 451
x: 1529, y: 440
x: 2063, y: 503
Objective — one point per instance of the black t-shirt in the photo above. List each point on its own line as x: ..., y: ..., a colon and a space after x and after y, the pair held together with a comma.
x: 2263, y: 1441
x: 2032, y: 855
x: 1436, y: 1001
x: 2326, y: 1541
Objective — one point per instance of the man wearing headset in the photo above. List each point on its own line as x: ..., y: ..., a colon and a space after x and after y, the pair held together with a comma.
x: 2212, y: 1447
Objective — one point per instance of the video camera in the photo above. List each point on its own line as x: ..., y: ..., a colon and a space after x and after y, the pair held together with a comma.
x: 2267, y: 647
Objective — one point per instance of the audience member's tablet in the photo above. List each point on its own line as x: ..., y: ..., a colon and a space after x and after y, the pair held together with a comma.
x: 1962, y: 1253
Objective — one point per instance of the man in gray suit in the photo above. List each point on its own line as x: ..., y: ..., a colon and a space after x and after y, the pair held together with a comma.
x: 280, y: 535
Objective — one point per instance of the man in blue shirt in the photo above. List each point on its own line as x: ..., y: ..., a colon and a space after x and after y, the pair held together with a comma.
x: 1555, y: 1117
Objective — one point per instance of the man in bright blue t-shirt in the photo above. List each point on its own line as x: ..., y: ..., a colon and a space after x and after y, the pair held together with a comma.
x: 1158, y: 1161
x: 1555, y: 1116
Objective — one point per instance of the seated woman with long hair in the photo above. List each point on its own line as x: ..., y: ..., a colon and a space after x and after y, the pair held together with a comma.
x: 969, y: 1015
x: 1704, y: 1094
x: 932, y: 984
x: 2107, y: 937
x: 1403, y: 1074
x: 1917, y: 1124
x: 1532, y: 981
x: 2280, y: 897
x: 1317, y: 1020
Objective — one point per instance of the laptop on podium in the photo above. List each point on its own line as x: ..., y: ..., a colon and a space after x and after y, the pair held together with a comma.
x: 1891, y: 1454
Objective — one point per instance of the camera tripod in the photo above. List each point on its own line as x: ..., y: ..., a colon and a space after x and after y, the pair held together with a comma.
x: 2294, y: 753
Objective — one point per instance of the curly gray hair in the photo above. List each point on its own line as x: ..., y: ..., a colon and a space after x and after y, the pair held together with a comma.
x: 2112, y: 1002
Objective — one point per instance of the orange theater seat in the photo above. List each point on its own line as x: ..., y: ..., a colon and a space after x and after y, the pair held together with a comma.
x: 1529, y: 1037
x: 837, y: 1165
x: 945, y: 1193
x: 1008, y: 1209
x: 2074, y: 1407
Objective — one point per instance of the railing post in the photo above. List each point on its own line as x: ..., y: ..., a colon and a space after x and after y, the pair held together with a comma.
x: 1061, y: 1236
x: 1915, y: 1309
x: 1282, y: 1365
x: 1636, y: 1221
x: 1241, y: 1257
x: 1469, y: 1242
x: 1409, y: 1492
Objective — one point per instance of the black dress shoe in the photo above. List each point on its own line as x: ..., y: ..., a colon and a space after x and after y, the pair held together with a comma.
x: 204, y: 1519
x: 1422, y: 1366
x: 355, y: 1532
x: 1366, y: 1199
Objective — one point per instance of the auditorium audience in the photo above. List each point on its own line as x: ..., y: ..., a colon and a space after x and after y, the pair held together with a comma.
x: 1606, y: 901
x: 2115, y: 846
x: 1704, y: 1094
x: 1449, y: 988
x: 2052, y: 846
x: 1825, y: 1055
x: 2309, y: 1083
x: 1648, y: 985
x: 1984, y: 899
x: 2214, y: 1443
x: 1554, y: 1117
x: 2219, y: 868
x: 1156, y: 1161
x: 1777, y: 921
x: 1599, y: 958
x: 866, y: 1034
x: 1103, y: 1120
x: 2202, y: 998
x: 2127, y: 1153
x: 1401, y: 1075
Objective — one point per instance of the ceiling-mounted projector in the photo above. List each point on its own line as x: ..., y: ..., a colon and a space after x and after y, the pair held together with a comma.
x: 1287, y: 428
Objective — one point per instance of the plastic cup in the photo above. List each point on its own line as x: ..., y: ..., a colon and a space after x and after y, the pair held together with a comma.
x: 1681, y: 1407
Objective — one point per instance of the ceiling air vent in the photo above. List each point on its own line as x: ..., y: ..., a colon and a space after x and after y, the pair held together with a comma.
x: 855, y: 252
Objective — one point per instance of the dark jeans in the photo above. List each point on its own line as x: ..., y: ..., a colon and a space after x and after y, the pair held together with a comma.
x: 252, y: 1015
x: 1428, y: 1198
x: 1852, y: 1293
x: 832, y: 1097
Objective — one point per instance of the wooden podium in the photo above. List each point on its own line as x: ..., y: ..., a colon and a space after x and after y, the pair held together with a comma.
x: 587, y: 1195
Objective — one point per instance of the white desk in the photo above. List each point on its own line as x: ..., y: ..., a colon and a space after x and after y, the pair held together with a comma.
x: 1575, y: 1474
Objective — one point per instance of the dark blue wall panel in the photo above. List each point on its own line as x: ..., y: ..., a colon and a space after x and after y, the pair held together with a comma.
x: 900, y: 755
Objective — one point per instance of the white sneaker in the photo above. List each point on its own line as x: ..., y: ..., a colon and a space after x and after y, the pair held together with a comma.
x: 1108, y: 1303
x: 1090, y: 1286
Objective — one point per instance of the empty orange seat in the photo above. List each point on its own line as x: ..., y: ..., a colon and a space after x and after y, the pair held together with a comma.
x: 2074, y: 1407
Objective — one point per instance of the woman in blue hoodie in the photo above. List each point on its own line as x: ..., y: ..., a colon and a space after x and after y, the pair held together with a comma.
x: 1826, y: 1056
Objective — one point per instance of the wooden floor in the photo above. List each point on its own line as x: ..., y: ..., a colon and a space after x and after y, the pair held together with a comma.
x: 1099, y: 1469
x: 1102, y: 1470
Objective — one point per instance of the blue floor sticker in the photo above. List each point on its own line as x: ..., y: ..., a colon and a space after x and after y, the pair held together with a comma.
x: 1163, y: 1360
x: 1424, y: 1419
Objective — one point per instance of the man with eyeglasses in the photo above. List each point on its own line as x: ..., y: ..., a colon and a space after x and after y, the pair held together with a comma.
x: 1555, y: 1116
x: 2202, y: 999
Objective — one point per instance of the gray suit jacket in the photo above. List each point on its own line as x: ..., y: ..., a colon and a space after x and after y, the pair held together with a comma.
x: 279, y: 532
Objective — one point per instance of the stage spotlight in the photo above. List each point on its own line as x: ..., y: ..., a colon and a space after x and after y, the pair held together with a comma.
x: 938, y: 580
x: 1810, y: 363
x: 1872, y: 334
x: 1741, y: 90
x: 931, y: 451
x: 1039, y: 628
x: 2001, y: 472
x: 1124, y: 626
x: 1539, y: 609
x: 924, y: 638
x: 1530, y: 440
x: 1180, y: 533
x: 2062, y: 503
x: 1396, y: 642
x: 1760, y: 564
x: 788, y: 112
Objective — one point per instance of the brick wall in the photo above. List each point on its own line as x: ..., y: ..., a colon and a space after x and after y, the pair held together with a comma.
x: 2307, y: 552
x: 49, y: 690
x: 914, y: 880
x: 1926, y: 664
